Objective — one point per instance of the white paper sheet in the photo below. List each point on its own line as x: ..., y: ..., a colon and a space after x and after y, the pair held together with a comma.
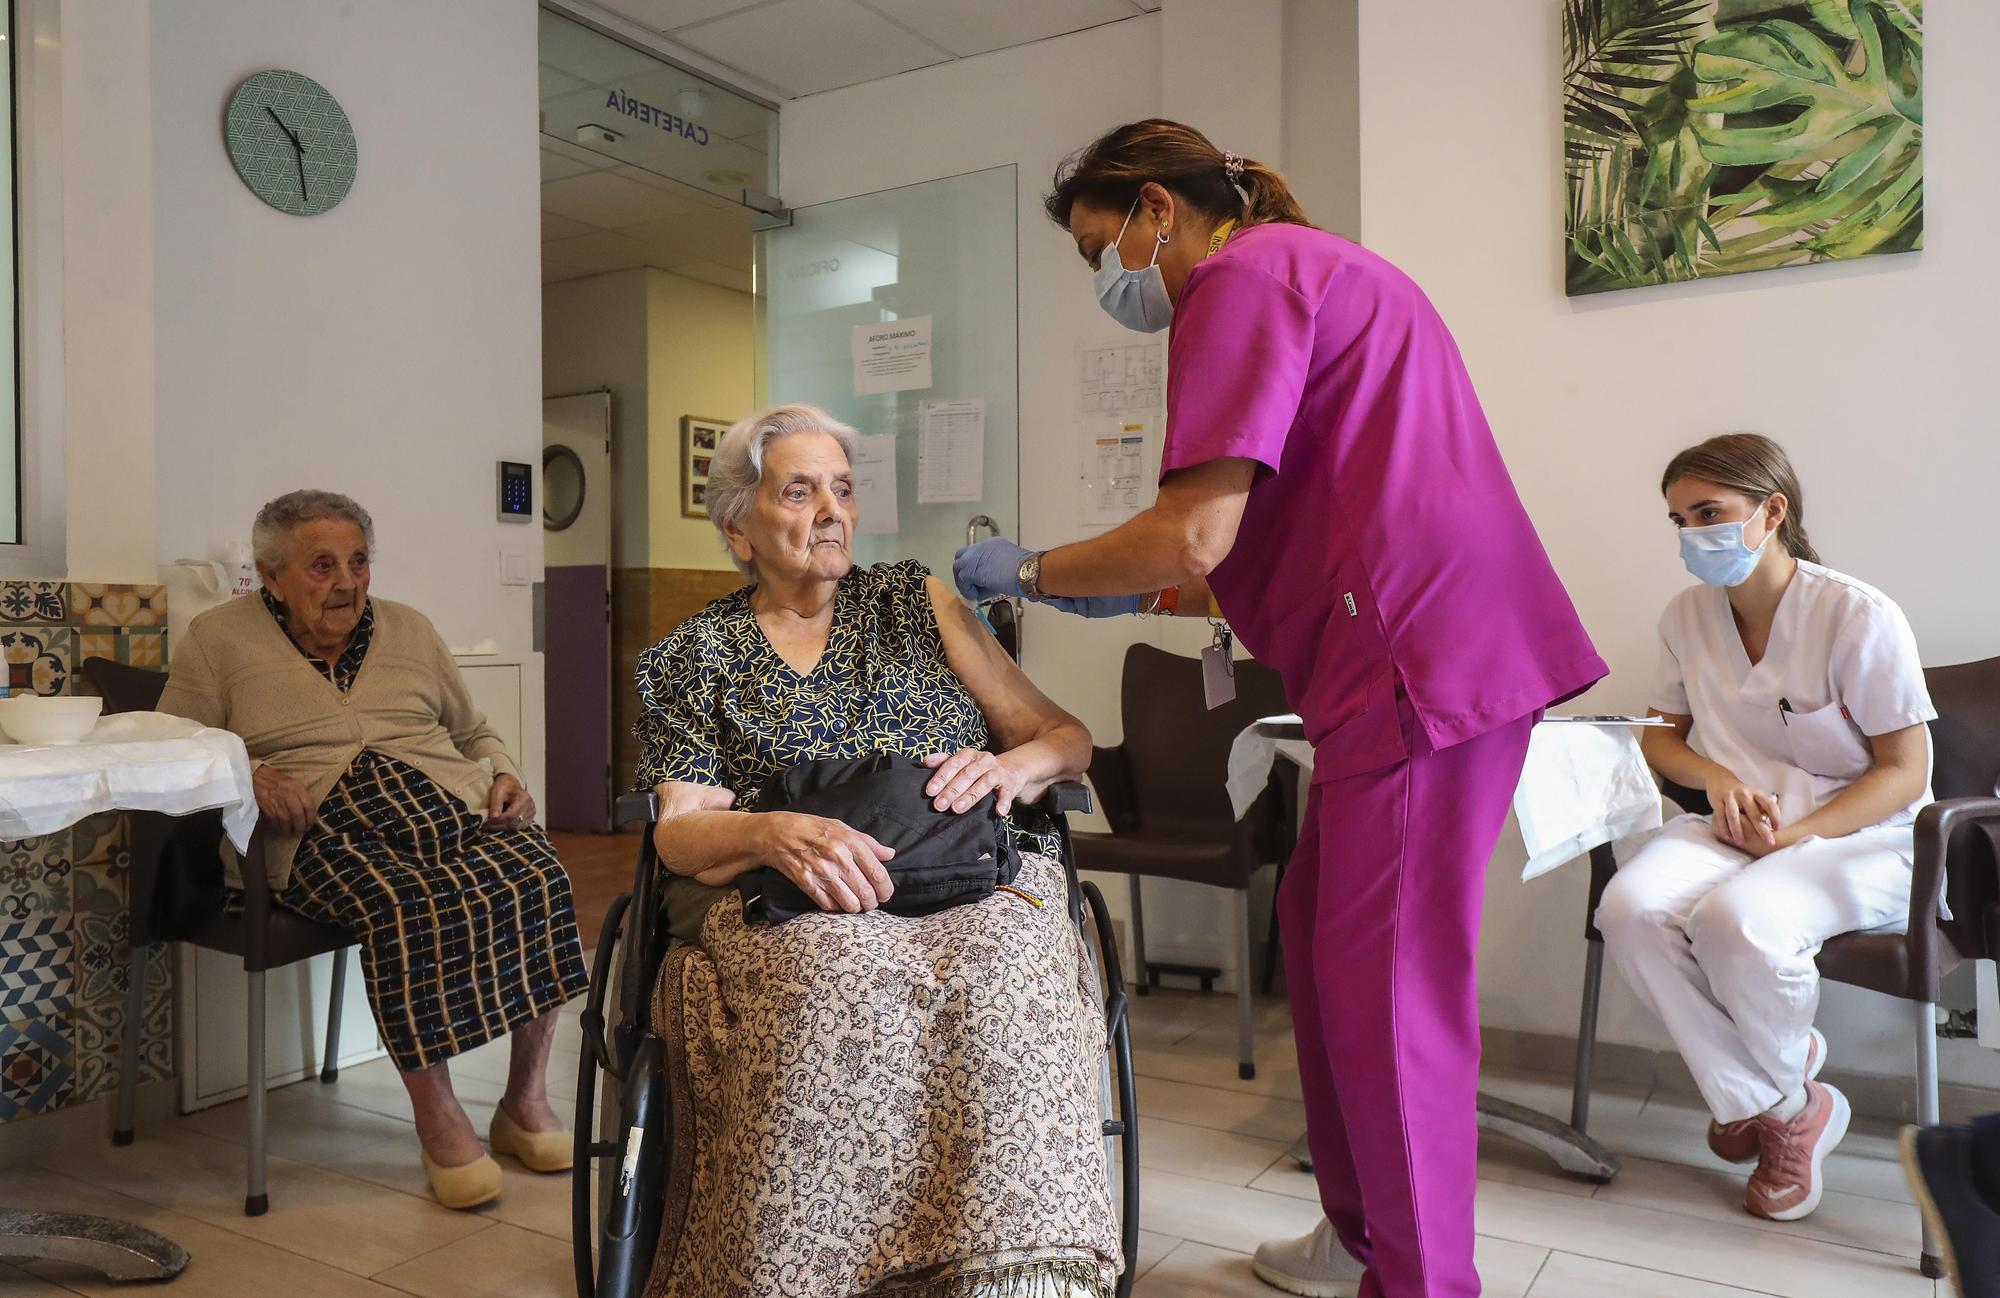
x: 875, y: 485
x: 892, y: 357
x: 1122, y: 377
x: 951, y: 458
x: 1113, y: 470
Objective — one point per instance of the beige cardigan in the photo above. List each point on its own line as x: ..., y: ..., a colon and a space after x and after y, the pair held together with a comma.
x: 237, y: 670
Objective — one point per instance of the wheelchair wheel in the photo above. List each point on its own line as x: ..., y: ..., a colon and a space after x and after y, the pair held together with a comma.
x: 1121, y: 1123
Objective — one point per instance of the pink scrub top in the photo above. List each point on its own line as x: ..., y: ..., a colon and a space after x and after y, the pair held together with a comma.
x: 1383, y: 541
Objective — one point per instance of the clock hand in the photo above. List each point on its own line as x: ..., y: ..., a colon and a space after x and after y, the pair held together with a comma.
x: 304, y: 193
x: 293, y: 135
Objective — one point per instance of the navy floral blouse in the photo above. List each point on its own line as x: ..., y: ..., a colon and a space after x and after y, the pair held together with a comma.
x: 342, y: 673
x: 721, y: 707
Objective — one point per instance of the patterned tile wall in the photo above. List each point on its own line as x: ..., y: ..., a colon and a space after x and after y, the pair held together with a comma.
x: 65, y: 962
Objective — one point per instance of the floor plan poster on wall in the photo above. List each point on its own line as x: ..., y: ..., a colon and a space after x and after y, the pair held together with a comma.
x: 1114, y: 469
x: 1123, y: 376
x: 951, y: 458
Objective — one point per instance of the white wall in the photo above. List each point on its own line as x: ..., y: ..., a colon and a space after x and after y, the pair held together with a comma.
x: 108, y: 291
x: 1874, y: 375
x: 594, y: 336
x: 389, y: 348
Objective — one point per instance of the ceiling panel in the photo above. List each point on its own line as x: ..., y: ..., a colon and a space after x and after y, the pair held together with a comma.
x: 607, y: 202
x: 574, y: 49
x: 665, y: 15
x: 805, y: 46
x: 554, y: 81
x: 586, y: 159
x: 710, y: 273
x: 697, y: 236
x: 560, y: 166
x: 684, y: 197
x: 976, y: 26
x: 561, y: 227
x: 596, y: 253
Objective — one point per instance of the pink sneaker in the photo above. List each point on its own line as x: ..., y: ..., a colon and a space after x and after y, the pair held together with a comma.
x: 1786, y: 1185
x: 1736, y: 1142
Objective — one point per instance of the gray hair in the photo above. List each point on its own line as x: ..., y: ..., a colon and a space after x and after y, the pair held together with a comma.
x: 738, y: 464
x: 272, y: 531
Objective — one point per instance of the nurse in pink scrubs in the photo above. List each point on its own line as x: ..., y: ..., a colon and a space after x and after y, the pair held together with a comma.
x: 1331, y: 487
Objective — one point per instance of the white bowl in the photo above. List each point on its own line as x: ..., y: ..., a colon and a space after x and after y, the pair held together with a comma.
x: 31, y: 719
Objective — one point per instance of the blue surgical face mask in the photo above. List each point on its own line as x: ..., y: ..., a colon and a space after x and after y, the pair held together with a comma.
x: 1717, y: 555
x: 1138, y: 298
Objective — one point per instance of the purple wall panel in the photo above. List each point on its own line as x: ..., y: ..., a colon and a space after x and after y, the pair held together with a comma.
x: 577, y: 698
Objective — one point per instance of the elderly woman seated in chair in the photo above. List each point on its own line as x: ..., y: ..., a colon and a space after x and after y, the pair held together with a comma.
x: 393, y: 809
x: 876, y: 1101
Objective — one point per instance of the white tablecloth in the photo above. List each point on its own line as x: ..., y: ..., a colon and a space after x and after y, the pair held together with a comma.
x: 1581, y: 786
x: 135, y: 761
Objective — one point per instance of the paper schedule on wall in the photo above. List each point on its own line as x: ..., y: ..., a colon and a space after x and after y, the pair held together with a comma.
x: 951, y: 457
x: 1113, y: 483
x: 875, y: 485
x: 892, y: 357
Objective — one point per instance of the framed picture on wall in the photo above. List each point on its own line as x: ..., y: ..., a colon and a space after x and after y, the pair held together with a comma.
x: 699, y: 438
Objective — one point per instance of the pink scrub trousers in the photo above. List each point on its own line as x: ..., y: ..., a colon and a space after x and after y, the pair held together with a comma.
x: 1380, y: 920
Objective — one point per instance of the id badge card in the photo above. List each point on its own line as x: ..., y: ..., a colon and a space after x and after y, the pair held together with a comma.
x: 1218, y: 669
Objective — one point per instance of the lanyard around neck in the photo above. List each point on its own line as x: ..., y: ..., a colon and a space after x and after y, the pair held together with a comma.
x: 1221, y: 236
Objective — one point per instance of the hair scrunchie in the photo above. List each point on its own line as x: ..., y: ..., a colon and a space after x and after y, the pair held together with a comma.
x: 1232, y: 166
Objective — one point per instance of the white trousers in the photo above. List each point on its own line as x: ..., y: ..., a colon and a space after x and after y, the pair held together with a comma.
x: 1720, y: 945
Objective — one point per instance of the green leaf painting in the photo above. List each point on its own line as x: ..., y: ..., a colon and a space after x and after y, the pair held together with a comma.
x: 1712, y: 137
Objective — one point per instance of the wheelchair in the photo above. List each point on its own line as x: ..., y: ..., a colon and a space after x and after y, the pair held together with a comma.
x: 624, y: 1109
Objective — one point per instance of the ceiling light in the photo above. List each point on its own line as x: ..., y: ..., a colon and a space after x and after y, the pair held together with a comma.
x: 726, y: 179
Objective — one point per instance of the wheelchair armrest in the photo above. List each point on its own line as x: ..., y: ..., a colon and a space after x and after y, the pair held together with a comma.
x: 636, y: 807
x: 1065, y: 797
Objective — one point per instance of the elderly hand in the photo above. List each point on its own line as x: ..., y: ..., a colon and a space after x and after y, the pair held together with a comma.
x: 966, y: 776
x: 509, y: 806
x: 839, y: 867
x: 989, y: 570
x: 282, y: 800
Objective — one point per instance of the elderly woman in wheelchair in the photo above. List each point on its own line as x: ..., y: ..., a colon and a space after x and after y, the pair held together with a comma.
x: 862, y: 1102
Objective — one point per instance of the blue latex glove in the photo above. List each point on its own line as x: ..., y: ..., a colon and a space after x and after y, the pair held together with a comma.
x: 1095, y: 605
x: 989, y: 570
x: 992, y: 570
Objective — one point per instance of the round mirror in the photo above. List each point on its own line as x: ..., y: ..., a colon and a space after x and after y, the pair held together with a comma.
x: 562, y: 487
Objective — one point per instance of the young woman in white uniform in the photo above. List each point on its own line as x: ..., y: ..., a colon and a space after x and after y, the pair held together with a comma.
x: 1803, y: 687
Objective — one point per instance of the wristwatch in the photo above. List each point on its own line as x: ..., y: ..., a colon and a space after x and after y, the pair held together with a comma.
x: 1030, y: 575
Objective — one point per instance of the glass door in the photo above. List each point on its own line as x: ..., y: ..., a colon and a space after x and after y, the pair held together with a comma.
x: 895, y: 311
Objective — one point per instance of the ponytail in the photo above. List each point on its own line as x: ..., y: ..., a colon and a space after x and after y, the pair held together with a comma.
x: 1110, y: 171
x: 1268, y: 199
x: 1757, y: 467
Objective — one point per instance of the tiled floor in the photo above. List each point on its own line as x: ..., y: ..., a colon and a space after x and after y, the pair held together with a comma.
x: 350, y: 1216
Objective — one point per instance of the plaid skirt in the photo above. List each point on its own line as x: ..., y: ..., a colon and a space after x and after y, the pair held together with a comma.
x: 468, y: 933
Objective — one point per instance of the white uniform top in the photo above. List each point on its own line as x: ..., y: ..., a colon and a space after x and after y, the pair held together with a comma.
x: 1841, y: 665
